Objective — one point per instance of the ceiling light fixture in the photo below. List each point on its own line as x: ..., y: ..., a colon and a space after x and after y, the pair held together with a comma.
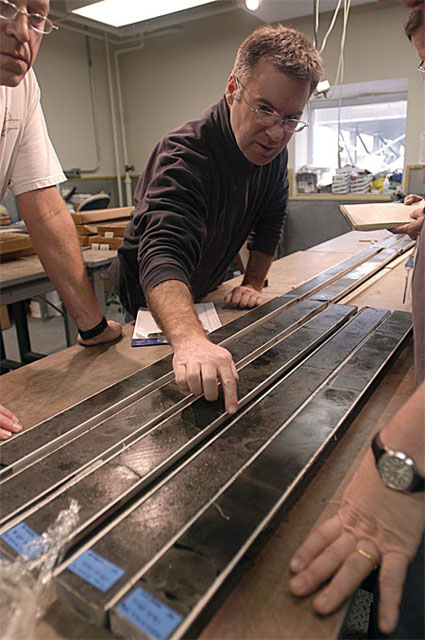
x: 252, y: 5
x: 120, y: 13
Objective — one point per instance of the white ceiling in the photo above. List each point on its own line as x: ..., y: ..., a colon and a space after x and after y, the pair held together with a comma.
x: 269, y: 11
x: 273, y: 10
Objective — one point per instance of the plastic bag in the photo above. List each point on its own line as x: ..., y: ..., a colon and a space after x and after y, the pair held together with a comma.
x: 25, y: 583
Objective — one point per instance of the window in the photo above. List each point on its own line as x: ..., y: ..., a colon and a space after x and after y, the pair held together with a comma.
x: 372, y: 121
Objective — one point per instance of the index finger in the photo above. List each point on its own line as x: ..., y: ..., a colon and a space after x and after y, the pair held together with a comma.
x: 228, y: 378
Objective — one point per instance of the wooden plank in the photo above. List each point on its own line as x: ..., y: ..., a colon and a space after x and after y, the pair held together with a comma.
x: 98, y: 242
x: 12, y: 243
x: 117, y: 228
x: 100, y: 215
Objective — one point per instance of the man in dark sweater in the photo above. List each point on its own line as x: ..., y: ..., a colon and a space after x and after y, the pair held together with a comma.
x: 207, y: 187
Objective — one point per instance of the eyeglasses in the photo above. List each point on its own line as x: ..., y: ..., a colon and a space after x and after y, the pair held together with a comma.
x: 421, y: 66
x: 269, y: 119
x: 41, y: 24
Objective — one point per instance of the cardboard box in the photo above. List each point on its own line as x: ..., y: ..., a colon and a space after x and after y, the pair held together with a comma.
x: 306, y: 182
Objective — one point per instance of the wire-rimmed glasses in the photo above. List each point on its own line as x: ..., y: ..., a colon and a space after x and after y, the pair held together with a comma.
x: 41, y: 24
x: 267, y: 118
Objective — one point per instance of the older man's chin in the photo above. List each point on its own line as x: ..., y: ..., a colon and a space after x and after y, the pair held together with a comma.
x: 12, y: 70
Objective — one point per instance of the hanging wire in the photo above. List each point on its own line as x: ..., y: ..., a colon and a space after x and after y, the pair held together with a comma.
x: 340, y: 72
x: 316, y: 22
x: 331, y: 26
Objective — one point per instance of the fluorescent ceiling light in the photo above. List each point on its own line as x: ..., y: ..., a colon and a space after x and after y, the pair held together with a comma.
x: 252, y: 5
x: 119, y: 13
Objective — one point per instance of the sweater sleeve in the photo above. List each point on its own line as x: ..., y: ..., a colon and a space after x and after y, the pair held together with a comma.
x: 171, y: 206
x: 267, y: 231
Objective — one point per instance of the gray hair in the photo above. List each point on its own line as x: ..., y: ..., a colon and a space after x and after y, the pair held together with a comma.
x: 288, y: 49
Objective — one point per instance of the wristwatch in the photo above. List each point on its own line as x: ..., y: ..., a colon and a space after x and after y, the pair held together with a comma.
x: 396, y: 468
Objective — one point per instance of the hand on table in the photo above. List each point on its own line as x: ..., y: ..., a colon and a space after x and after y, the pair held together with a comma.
x: 9, y: 423
x: 111, y: 333
x: 198, y: 367
x: 244, y: 297
x: 385, y: 524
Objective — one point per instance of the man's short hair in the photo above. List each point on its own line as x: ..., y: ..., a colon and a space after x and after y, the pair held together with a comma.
x: 288, y: 49
x: 415, y: 20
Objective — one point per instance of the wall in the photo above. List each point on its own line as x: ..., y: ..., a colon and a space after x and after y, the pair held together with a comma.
x: 175, y: 77
x: 62, y: 71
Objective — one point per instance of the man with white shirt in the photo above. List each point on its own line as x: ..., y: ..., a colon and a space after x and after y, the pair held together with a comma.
x: 30, y: 167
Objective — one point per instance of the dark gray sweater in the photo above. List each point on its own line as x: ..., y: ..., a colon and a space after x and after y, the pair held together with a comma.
x: 196, y: 203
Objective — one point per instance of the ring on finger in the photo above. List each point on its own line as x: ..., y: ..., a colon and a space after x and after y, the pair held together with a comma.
x: 368, y: 556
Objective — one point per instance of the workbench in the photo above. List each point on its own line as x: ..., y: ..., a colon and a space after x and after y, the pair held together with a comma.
x: 24, y: 278
x: 260, y: 605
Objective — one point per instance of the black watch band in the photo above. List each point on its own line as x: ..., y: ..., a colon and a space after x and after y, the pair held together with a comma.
x: 379, y: 450
x: 95, y: 331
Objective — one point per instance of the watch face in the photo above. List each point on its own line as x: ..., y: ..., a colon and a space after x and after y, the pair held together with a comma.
x: 396, y: 471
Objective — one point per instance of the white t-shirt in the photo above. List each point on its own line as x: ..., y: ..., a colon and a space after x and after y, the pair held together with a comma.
x: 27, y: 158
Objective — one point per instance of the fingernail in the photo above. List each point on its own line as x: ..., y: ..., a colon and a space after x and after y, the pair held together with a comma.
x: 298, y: 583
x: 322, y: 603
x: 233, y: 408
x: 17, y: 426
x: 296, y: 565
x: 384, y: 625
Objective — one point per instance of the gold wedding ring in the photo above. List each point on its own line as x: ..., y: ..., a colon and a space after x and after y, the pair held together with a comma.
x: 369, y: 557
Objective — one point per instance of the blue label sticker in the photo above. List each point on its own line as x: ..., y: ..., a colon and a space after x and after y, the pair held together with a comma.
x: 96, y: 570
x: 18, y: 536
x: 149, y: 614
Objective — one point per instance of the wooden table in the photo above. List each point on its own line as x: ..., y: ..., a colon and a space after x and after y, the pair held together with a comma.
x: 25, y: 278
x: 260, y: 606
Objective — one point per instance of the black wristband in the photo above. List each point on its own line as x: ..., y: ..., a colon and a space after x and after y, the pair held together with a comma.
x: 92, y: 333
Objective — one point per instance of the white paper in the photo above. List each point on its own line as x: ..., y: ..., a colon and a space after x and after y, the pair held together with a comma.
x: 146, y: 327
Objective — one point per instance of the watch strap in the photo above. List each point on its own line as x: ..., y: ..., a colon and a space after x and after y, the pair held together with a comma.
x: 94, y: 331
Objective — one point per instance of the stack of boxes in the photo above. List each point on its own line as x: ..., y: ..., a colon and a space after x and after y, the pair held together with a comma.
x: 350, y: 179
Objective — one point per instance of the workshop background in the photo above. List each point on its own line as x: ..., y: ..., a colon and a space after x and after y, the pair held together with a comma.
x: 172, y: 74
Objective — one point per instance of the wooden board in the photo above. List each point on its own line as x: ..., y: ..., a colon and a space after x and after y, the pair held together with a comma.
x: 86, y: 229
x: 99, y: 242
x: 100, y: 215
x: 12, y: 243
x: 370, y: 216
x: 117, y: 228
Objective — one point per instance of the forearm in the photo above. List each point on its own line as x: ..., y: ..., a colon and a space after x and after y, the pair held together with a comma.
x: 55, y: 240
x: 198, y: 363
x: 257, y: 268
x: 172, y: 307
